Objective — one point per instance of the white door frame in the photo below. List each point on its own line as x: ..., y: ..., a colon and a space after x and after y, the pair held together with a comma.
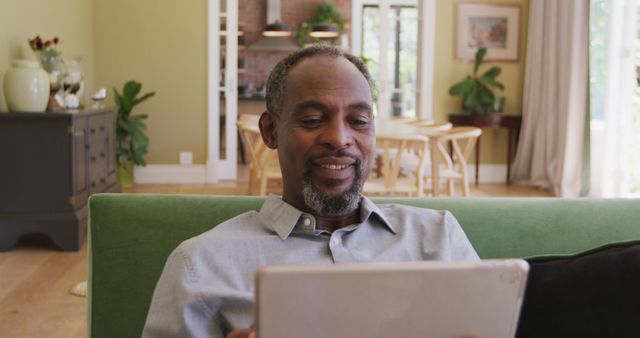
x: 216, y: 167
x: 426, y: 46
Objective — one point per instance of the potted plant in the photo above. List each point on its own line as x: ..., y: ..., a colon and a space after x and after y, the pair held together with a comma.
x: 476, y: 90
x: 325, y: 14
x: 132, y: 142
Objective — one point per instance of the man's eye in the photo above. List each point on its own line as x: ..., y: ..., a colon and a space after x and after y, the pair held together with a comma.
x: 358, y: 123
x: 310, y: 123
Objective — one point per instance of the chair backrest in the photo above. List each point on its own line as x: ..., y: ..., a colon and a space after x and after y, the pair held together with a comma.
x: 263, y: 161
x: 252, y: 140
x: 393, y: 152
x: 462, y: 141
x: 251, y: 119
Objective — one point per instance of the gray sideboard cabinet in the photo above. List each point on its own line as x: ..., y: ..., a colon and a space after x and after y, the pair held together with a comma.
x: 50, y: 163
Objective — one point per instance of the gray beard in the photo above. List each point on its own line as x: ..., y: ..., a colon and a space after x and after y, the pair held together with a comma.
x: 342, y: 204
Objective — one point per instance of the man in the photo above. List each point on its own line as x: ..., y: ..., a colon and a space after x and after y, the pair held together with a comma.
x: 320, y: 119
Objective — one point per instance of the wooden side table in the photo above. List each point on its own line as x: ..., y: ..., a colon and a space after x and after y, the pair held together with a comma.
x: 492, y: 121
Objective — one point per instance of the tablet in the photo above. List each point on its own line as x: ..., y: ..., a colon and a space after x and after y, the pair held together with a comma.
x: 412, y: 299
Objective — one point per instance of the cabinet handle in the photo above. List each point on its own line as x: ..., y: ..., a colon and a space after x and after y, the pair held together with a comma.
x: 92, y: 130
x: 102, y: 155
x: 101, y: 128
x: 93, y: 184
x: 103, y: 180
x: 93, y: 158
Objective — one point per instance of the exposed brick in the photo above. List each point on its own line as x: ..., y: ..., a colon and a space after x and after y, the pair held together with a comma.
x: 252, y: 15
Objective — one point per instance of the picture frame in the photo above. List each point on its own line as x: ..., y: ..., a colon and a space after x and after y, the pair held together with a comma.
x: 496, y: 27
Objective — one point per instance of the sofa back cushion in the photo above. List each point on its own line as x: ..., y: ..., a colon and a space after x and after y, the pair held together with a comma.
x: 592, y: 294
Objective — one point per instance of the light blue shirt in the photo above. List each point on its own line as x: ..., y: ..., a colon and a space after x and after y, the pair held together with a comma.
x: 206, y: 288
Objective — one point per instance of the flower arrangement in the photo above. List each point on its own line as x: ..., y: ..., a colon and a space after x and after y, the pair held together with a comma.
x: 47, y: 51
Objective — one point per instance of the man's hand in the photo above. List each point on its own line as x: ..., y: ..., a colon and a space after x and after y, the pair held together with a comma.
x: 244, y: 333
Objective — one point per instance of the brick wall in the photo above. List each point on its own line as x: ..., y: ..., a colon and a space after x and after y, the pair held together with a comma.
x: 253, y: 15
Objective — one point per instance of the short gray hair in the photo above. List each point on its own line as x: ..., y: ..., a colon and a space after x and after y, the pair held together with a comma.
x: 275, y: 83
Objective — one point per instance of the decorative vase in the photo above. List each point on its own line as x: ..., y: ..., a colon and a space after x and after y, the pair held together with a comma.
x: 72, y: 84
x: 26, y: 87
x: 125, y: 174
x: 53, y: 65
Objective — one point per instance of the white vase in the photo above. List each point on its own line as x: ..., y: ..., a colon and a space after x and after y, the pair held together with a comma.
x: 26, y: 87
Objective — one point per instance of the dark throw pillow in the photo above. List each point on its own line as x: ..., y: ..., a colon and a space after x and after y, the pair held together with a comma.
x: 592, y: 294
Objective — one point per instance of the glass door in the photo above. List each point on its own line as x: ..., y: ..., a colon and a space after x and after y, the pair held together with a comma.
x: 397, y: 97
x: 222, y: 90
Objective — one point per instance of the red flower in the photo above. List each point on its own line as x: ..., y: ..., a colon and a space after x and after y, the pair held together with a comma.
x: 37, y: 44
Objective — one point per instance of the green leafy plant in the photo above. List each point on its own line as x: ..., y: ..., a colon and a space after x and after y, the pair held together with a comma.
x: 132, y: 141
x: 325, y: 13
x: 476, y: 91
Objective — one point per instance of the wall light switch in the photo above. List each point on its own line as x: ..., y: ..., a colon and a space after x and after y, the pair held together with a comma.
x: 186, y: 157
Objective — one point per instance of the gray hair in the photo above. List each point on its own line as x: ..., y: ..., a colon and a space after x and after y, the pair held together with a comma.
x: 275, y: 83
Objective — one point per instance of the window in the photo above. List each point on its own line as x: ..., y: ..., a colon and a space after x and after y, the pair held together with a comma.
x: 614, y: 69
x: 402, y: 47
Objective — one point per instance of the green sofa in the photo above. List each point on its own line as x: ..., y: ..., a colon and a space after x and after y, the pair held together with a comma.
x: 132, y: 234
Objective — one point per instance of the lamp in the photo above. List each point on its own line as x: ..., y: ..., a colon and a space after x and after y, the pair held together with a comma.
x: 276, y: 29
x: 324, y: 30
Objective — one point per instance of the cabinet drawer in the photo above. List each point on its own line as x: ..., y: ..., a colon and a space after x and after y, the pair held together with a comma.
x: 79, y: 162
x: 98, y: 144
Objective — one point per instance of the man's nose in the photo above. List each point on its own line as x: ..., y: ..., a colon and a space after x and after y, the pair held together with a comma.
x: 337, y: 135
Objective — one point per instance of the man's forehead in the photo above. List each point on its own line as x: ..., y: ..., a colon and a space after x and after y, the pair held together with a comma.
x: 321, y: 66
x: 325, y: 72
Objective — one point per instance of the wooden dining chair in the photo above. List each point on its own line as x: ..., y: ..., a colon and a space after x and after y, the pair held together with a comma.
x: 263, y: 161
x: 451, y: 166
x: 394, y: 179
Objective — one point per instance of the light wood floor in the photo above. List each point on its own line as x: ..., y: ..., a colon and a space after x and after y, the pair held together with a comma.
x: 35, y: 278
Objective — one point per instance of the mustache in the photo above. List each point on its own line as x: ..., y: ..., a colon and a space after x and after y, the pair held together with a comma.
x: 337, y: 153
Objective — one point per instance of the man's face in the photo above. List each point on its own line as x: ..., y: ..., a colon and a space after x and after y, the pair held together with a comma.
x: 325, y: 135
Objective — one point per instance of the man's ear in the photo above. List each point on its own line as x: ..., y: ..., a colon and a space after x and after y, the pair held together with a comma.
x: 268, y: 130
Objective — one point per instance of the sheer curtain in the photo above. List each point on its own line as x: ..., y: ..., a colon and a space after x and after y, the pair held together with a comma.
x: 555, y: 95
x: 613, y: 81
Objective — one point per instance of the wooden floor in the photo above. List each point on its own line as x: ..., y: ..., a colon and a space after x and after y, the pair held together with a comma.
x: 35, y: 278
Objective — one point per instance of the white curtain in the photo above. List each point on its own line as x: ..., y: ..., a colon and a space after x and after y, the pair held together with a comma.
x: 551, y: 141
x: 612, y: 102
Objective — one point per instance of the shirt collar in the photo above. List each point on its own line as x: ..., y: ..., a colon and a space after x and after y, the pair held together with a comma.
x: 368, y: 208
x: 283, y: 217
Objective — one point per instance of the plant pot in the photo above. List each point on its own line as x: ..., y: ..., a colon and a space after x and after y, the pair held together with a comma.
x: 125, y: 174
x: 26, y: 87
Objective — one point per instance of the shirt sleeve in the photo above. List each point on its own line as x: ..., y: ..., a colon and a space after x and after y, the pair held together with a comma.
x: 460, y: 249
x: 177, y: 308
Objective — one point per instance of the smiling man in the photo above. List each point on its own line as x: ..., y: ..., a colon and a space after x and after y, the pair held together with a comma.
x: 320, y: 119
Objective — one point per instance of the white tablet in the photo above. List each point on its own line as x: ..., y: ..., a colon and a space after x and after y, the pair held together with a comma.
x: 413, y: 299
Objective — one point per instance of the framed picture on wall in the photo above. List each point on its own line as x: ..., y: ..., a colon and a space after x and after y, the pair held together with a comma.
x: 496, y: 27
